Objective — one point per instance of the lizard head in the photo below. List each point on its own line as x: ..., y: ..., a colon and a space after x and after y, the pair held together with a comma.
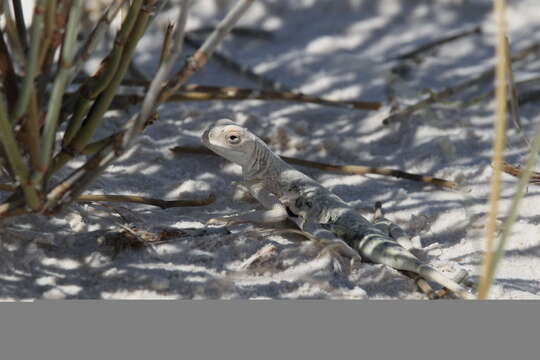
x: 230, y: 140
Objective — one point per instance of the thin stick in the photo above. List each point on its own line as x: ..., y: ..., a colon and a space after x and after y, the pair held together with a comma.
x: 517, y: 171
x: 346, y: 169
x: 453, y: 90
x: 166, y: 43
x: 7, y: 187
x: 193, y: 92
x: 19, y: 21
x: 201, y: 56
x: 150, y: 102
x: 245, y: 70
x: 164, y: 204
x: 511, y: 88
x: 498, y: 148
x: 430, y: 45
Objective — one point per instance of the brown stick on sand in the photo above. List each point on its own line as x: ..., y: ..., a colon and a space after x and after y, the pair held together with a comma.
x: 346, y: 169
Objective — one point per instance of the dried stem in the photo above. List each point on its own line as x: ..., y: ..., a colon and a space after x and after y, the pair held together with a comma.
x: 517, y: 171
x: 166, y: 43
x: 193, y: 92
x: 430, y: 45
x: 451, y: 91
x: 164, y: 204
x: 201, y: 56
x: 512, y: 92
x: 498, y: 148
x: 524, y: 179
x: 150, y: 102
x: 7, y: 187
x: 346, y: 169
x: 265, y: 82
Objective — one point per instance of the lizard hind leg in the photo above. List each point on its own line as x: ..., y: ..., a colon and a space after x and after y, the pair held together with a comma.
x: 332, y: 247
x: 430, y: 273
x: 388, y: 227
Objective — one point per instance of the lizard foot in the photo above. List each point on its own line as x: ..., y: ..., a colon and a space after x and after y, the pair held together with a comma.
x: 335, y: 249
x: 338, y: 251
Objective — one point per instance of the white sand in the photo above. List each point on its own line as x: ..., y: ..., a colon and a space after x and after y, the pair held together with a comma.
x: 336, y: 49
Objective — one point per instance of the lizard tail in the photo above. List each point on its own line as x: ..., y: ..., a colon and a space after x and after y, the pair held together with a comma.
x: 431, y: 274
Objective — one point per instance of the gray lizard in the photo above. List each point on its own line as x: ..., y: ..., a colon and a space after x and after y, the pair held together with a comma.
x: 285, y: 192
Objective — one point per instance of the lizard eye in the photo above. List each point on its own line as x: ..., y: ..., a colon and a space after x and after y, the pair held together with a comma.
x: 233, y: 139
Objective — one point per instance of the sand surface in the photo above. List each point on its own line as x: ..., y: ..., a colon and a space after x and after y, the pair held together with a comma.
x: 342, y: 50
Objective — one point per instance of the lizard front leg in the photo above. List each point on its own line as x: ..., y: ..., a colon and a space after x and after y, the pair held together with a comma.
x: 274, y: 211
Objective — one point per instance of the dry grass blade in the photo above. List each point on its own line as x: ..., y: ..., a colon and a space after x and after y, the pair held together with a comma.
x: 346, y: 169
x: 524, y: 179
x: 498, y: 148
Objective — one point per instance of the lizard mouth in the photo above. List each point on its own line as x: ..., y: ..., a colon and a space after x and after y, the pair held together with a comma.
x: 204, y: 137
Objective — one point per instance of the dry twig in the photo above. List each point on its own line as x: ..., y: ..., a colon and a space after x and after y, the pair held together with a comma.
x: 448, y: 92
x: 346, y: 169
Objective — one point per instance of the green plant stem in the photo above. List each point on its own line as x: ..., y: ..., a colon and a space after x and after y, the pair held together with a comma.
x: 19, y: 21
x: 31, y: 65
x: 60, y: 83
x: 109, y: 71
x: 95, y: 116
x: 50, y: 23
x: 96, y: 35
x: 7, y: 137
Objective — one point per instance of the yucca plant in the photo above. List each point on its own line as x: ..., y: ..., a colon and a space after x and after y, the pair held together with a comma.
x: 39, y: 63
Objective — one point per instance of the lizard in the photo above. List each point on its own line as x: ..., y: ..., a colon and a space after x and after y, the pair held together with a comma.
x: 286, y: 193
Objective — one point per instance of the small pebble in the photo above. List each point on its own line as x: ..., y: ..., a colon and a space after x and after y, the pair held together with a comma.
x: 160, y: 283
x: 54, y: 294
